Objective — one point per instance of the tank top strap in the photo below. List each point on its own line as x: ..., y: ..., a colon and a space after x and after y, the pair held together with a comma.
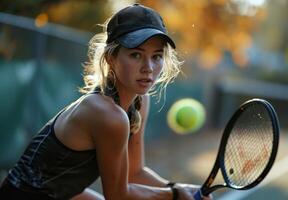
x: 53, y: 120
x: 97, y: 90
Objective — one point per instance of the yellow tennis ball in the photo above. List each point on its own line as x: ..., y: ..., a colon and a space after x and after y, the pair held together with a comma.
x: 186, y: 116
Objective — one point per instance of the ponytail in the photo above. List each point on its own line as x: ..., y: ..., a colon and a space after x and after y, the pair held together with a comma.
x: 134, y: 115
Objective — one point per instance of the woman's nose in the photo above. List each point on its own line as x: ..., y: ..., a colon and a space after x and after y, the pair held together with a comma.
x: 148, y: 66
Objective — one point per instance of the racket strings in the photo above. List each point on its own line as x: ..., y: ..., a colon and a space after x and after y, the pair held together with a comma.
x: 249, y: 146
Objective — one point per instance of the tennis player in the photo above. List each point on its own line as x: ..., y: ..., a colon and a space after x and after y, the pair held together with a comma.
x: 101, y: 133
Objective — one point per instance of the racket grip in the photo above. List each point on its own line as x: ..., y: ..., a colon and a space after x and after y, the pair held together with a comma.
x: 198, y: 195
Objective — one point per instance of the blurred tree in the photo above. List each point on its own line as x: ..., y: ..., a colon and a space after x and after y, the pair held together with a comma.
x: 272, y: 43
x: 275, y: 27
x: 205, y: 29
x: 25, y: 8
x: 209, y: 28
x: 82, y: 14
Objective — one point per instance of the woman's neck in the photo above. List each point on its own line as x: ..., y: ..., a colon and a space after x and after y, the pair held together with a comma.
x: 126, y: 99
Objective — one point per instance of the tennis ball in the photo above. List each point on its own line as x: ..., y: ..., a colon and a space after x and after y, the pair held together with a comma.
x: 186, y: 116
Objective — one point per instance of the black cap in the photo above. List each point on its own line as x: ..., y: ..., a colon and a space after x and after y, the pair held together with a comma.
x: 134, y: 25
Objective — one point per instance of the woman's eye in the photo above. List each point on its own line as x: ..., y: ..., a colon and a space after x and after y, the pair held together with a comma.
x: 158, y: 57
x: 135, y: 55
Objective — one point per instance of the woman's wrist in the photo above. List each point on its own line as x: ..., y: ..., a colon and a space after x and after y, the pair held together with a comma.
x: 174, y: 190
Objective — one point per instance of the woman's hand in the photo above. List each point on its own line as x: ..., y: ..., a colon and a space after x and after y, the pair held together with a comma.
x: 187, y: 191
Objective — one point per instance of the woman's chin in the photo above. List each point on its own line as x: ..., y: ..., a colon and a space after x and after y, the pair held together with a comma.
x: 142, y: 91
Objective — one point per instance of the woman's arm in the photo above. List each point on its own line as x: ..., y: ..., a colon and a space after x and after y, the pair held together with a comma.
x: 110, y: 133
x: 138, y: 172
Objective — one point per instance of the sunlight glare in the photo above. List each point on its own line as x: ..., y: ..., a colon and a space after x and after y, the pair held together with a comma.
x: 249, y: 7
x: 118, y: 4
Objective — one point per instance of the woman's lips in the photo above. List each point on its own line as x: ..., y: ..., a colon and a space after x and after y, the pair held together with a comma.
x: 145, y: 82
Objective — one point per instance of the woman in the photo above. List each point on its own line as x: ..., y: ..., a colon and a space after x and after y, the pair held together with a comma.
x: 101, y: 134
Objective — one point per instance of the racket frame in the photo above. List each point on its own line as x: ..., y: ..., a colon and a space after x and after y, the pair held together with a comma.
x: 206, y: 188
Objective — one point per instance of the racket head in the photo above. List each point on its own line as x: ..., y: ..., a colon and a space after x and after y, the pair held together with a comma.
x: 249, y: 144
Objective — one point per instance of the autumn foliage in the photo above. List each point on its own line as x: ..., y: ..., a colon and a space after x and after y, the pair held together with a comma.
x: 209, y: 28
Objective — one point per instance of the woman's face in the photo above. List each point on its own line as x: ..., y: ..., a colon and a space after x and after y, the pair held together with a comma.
x: 137, y: 69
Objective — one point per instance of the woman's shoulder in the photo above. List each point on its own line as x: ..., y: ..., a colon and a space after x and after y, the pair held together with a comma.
x: 99, y: 107
x: 98, y: 111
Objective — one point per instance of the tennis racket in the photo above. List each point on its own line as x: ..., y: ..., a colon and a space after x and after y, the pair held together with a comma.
x: 247, y: 150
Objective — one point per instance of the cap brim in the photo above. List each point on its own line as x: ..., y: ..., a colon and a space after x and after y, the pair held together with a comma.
x: 136, y: 38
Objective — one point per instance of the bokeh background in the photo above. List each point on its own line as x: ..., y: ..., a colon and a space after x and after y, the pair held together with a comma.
x: 233, y: 50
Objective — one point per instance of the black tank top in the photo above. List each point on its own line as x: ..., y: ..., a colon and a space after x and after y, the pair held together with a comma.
x: 48, y: 167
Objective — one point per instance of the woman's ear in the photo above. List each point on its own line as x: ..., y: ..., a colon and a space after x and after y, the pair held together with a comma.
x: 110, y: 60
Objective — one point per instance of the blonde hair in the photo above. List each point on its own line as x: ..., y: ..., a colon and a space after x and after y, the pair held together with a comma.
x: 96, y: 72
